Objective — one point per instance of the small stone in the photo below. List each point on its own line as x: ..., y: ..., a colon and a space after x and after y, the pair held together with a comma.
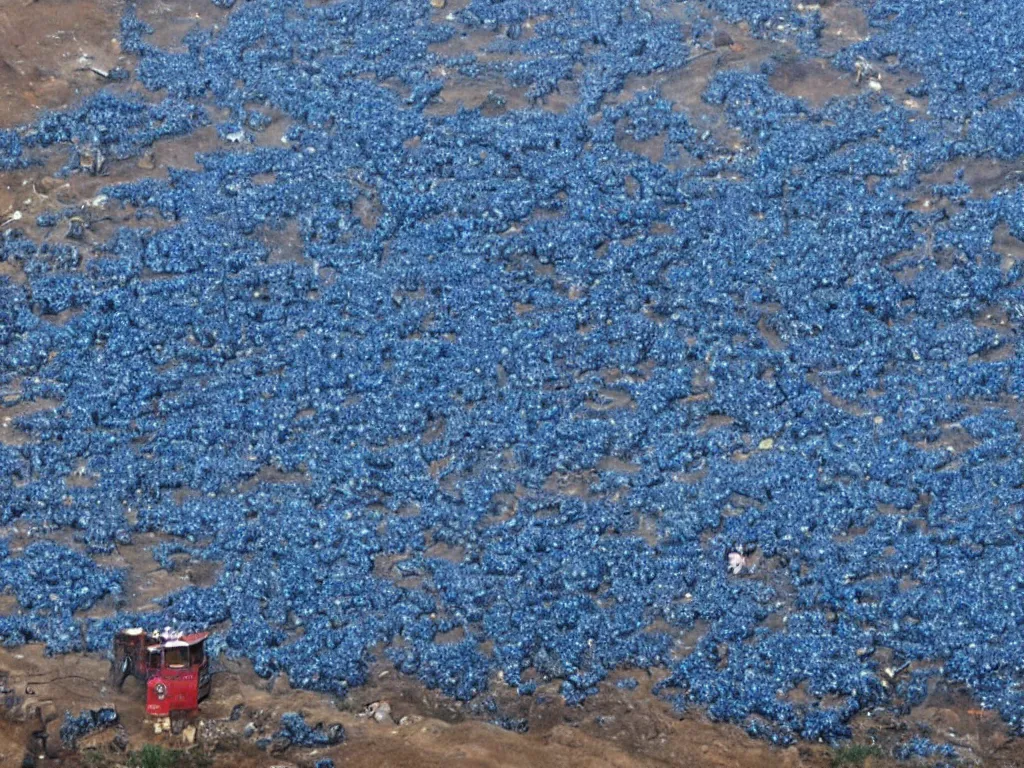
x: 383, y: 713
x: 188, y: 733
x: 147, y: 162
x: 722, y: 39
x: 277, y: 745
x: 438, y: 3
x: 766, y: 445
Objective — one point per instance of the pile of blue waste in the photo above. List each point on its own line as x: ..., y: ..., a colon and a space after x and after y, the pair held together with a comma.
x: 571, y: 378
x: 88, y: 721
x: 295, y: 731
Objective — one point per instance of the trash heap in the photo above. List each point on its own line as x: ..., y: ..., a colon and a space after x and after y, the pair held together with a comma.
x: 525, y: 397
x: 51, y: 582
x: 88, y: 721
x: 295, y: 731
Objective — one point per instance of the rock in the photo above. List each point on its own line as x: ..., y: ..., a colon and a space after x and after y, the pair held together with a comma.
x: 249, y: 730
x: 438, y: 3
x: 47, y: 184
x: 236, y: 712
x: 722, y: 39
x: 381, y: 712
x: 120, y: 741
x: 278, y: 744
x: 188, y: 733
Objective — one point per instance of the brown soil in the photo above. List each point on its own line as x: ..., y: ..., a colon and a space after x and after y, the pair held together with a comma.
x: 619, y: 728
x: 49, y: 51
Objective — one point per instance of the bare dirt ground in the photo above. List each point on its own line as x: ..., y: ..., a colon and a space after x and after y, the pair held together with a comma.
x: 53, y: 53
x: 620, y: 729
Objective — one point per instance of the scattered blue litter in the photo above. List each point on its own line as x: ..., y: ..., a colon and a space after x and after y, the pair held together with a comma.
x: 88, y: 721
x: 920, y: 746
x: 514, y: 724
x: 526, y: 384
x: 50, y: 578
x: 297, y: 732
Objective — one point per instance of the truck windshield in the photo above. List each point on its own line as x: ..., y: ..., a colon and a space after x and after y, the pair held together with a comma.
x: 176, y: 657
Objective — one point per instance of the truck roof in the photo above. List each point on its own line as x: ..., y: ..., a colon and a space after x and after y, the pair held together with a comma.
x: 177, y: 642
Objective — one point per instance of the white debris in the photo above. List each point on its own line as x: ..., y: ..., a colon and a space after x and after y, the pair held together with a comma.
x: 737, y: 563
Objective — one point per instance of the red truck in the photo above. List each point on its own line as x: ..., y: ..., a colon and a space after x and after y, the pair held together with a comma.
x: 173, y: 666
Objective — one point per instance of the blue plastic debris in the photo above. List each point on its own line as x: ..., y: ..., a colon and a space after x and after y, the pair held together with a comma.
x: 295, y: 731
x: 526, y: 375
x: 88, y: 721
x: 55, y: 580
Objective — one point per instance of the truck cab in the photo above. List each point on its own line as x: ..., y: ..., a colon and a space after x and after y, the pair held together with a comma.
x: 174, y: 667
